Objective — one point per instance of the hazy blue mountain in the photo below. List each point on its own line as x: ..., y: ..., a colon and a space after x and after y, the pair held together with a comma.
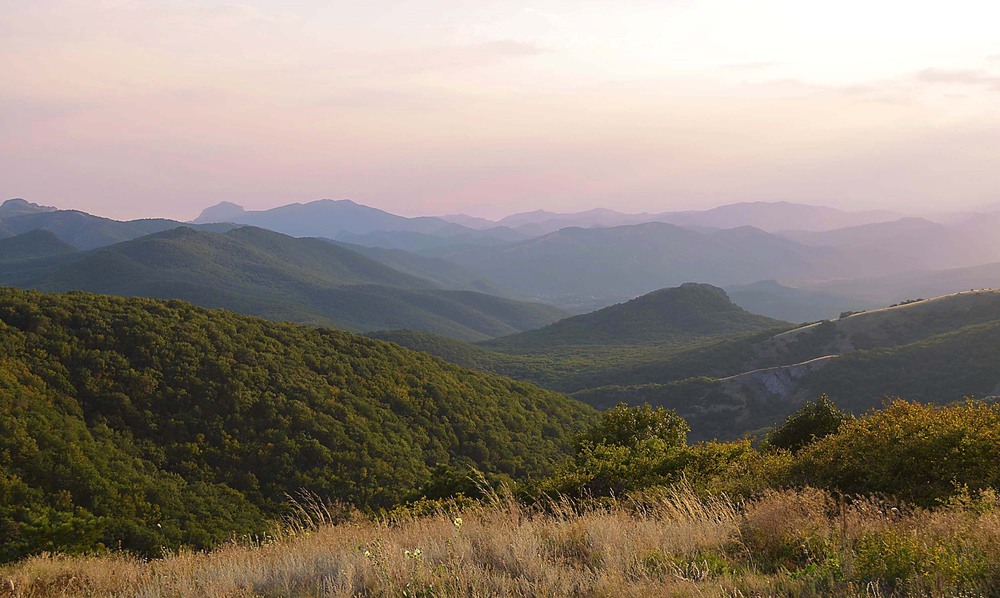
x: 259, y: 272
x: 776, y: 216
x: 773, y: 299
x: 911, y: 243
x: 608, y: 265
x: 345, y: 220
x: 903, y: 286
x: 327, y: 218
x: 20, y: 207
x: 541, y: 222
x: 441, y: 272
x: 431, y: 244
x: 79, y: 229
x: 470, y: 221
x: 768, y: 216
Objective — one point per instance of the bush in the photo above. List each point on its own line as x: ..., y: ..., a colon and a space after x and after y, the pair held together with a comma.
x: 632, y: 426
x: 812, y: 421
x: 920, y: 453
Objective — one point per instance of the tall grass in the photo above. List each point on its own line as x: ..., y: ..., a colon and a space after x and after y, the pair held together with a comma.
x: 665, y: 542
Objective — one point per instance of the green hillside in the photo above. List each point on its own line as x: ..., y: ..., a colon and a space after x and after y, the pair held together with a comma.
x: 612, y: 345
x: 33, y: 244
x: 259, y: 272
x: 155, y: 423
x: 690, y: 311
x: 938, y: 350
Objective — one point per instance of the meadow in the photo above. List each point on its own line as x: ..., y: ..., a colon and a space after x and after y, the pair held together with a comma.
x: 667, y: 542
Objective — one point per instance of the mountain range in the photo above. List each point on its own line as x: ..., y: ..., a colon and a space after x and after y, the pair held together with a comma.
x: 768, y: 216
x: 146, y: 422
x: 817, y: 269
x: 259, y: 272
x: 79, y: 229
x: 600, y: 266
x: 348, y: 221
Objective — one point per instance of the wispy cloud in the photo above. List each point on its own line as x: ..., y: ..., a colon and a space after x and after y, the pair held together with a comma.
x: 750, y: 66
x: 464, y: 56
x: 974, y: 78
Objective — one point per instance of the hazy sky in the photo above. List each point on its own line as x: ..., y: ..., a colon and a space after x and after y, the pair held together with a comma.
x: 133, y: 108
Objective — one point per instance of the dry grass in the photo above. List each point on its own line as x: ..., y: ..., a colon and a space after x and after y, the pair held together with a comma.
x: 665, y: 543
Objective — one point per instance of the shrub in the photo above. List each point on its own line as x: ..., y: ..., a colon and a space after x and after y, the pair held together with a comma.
x: 812, y: 421
x: 632, y: 426
x: 920, y: 453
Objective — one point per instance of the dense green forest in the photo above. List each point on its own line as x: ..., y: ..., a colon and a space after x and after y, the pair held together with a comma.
x: 147, y: 423
x: 676, y: 315
x: 606, y: 346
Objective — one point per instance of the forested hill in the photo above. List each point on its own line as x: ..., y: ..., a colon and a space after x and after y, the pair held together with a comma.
x: 33, y: 244
x: 690, y: 311
x: 155, y: 423
x: 263, y: 273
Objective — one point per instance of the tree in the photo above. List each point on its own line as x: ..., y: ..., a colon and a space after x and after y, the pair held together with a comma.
x: 813, y: 420
x: 633, y: 426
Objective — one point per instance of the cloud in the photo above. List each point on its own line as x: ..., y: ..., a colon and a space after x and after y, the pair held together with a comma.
x: 385, y: 99
x: 972, y: 78
x: 471, y: 55
x: 750, y: 66
x: 441, y: 58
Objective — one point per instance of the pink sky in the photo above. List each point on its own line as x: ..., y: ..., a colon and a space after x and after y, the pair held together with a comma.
x: 132, y: 108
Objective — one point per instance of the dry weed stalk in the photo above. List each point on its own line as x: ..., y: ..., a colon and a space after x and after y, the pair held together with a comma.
x: 667, y: 542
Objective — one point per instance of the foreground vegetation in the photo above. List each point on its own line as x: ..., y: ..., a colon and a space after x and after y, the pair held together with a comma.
x: 900, y: 502
x: 669, y: 543
x: 145, y: 424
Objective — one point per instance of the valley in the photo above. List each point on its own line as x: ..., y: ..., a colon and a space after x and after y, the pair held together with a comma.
x: 499, y: 299
x: 202, y: 377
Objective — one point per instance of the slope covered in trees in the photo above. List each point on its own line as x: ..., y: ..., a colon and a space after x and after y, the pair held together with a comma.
x: 939, y: 351
x: 936, y: 350
x: 689, y: 312
x: 259, y: 272
x: 33, y: 244
x: 159, y: 424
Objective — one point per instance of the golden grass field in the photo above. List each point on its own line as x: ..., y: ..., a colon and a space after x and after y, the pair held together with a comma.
x: 669, y: 542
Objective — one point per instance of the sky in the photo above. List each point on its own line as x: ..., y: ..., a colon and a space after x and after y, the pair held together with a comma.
x: 134, y: 108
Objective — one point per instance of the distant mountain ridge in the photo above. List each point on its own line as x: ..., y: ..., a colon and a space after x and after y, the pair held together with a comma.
x: 911, y: 242
x: 773, y: 299
x: 20, y: 207
x: 612, y: 264
x: 767, y: 216
x: 260, y: 272
x: 80, y: 229
x: 336, y: 219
